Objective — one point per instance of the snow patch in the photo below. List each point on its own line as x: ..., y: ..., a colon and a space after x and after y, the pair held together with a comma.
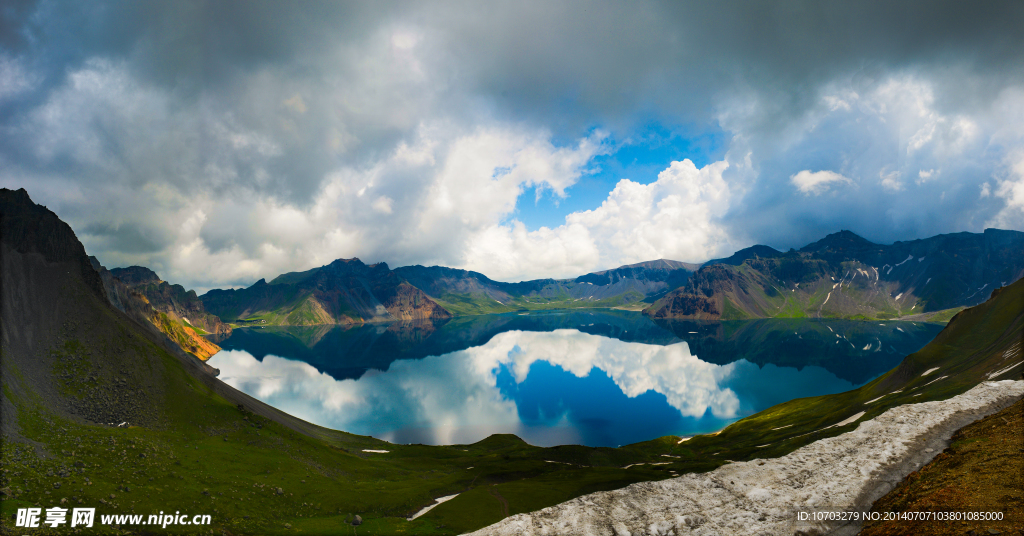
x: 898, y: 296
x: 848, y: 472
x: 376, y: 451
x: 1005, y: 370
x: 933, y: 381
x: 848, y: 421
x: 437, y: 501
x: 929, y: 371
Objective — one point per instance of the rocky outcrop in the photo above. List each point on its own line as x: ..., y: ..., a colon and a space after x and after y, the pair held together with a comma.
x: 26, y: 227
x: 680, y: 304
x: 843, y: 473
x: 134, y: 276
x: 173, y: 300
x: 149, y: 301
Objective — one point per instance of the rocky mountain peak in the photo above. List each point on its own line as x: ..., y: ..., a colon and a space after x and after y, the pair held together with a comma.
x: 135, y: 275
x: 843, y: 240
x: 30, y: 228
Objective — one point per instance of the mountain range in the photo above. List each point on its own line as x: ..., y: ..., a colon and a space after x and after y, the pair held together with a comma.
x: 846, y: 276
x: 839, y: 276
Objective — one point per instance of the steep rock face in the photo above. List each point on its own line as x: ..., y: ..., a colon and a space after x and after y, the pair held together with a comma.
x: 846, y: 276
x: 683, y: 305
x: 173, y: 300
x: 30, y: 228
x: 156, y: 314
x: 136, y: 275
x: 65, y: 347
x: 346, y: 291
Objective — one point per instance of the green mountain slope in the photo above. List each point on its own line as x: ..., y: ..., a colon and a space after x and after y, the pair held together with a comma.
x: 845, y: 276
x: 345, y: 291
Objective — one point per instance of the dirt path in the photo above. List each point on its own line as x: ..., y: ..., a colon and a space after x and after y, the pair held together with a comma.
x: 502, y: 500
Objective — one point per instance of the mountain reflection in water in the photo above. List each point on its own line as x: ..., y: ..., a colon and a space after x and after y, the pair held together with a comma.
x: 598, y: 378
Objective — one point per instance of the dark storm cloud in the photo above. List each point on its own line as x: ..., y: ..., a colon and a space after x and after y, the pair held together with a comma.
x: 608, y: 59
x: 175, y: 113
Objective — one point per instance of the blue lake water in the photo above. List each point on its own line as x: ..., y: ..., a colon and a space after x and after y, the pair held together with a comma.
x: 596, y: 377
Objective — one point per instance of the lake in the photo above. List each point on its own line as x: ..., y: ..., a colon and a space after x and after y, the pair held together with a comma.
x: 591, y: 377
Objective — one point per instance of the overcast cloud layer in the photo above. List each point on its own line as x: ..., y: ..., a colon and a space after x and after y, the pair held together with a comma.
x: 221, y: 142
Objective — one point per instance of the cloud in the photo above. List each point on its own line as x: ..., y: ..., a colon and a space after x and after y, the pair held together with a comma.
x: 408, y: 132
x: 14, y: 79
x: 916, y: 160
x: 674, y: 217
x: 817, y: 182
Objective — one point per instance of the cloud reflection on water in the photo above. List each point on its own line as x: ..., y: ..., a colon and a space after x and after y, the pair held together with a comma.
x: 456, y: 397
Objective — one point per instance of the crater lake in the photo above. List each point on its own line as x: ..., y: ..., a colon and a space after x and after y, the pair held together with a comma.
x: 591, y: 377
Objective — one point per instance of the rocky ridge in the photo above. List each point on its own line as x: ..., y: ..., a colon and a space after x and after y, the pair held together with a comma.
x: 846, y: 276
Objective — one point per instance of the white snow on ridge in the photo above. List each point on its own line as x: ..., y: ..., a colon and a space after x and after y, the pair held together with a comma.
x: 929, y: 371
x: 909, y: 257
x: 1005, y: 370
x: 853, y: 418
x: 847, y: 472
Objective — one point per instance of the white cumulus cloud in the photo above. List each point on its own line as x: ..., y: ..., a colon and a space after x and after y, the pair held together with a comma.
x: 817, y: 182
x: 675, y: 217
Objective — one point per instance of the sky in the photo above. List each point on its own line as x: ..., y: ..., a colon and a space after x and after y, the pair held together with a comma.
x: 223, y: 142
